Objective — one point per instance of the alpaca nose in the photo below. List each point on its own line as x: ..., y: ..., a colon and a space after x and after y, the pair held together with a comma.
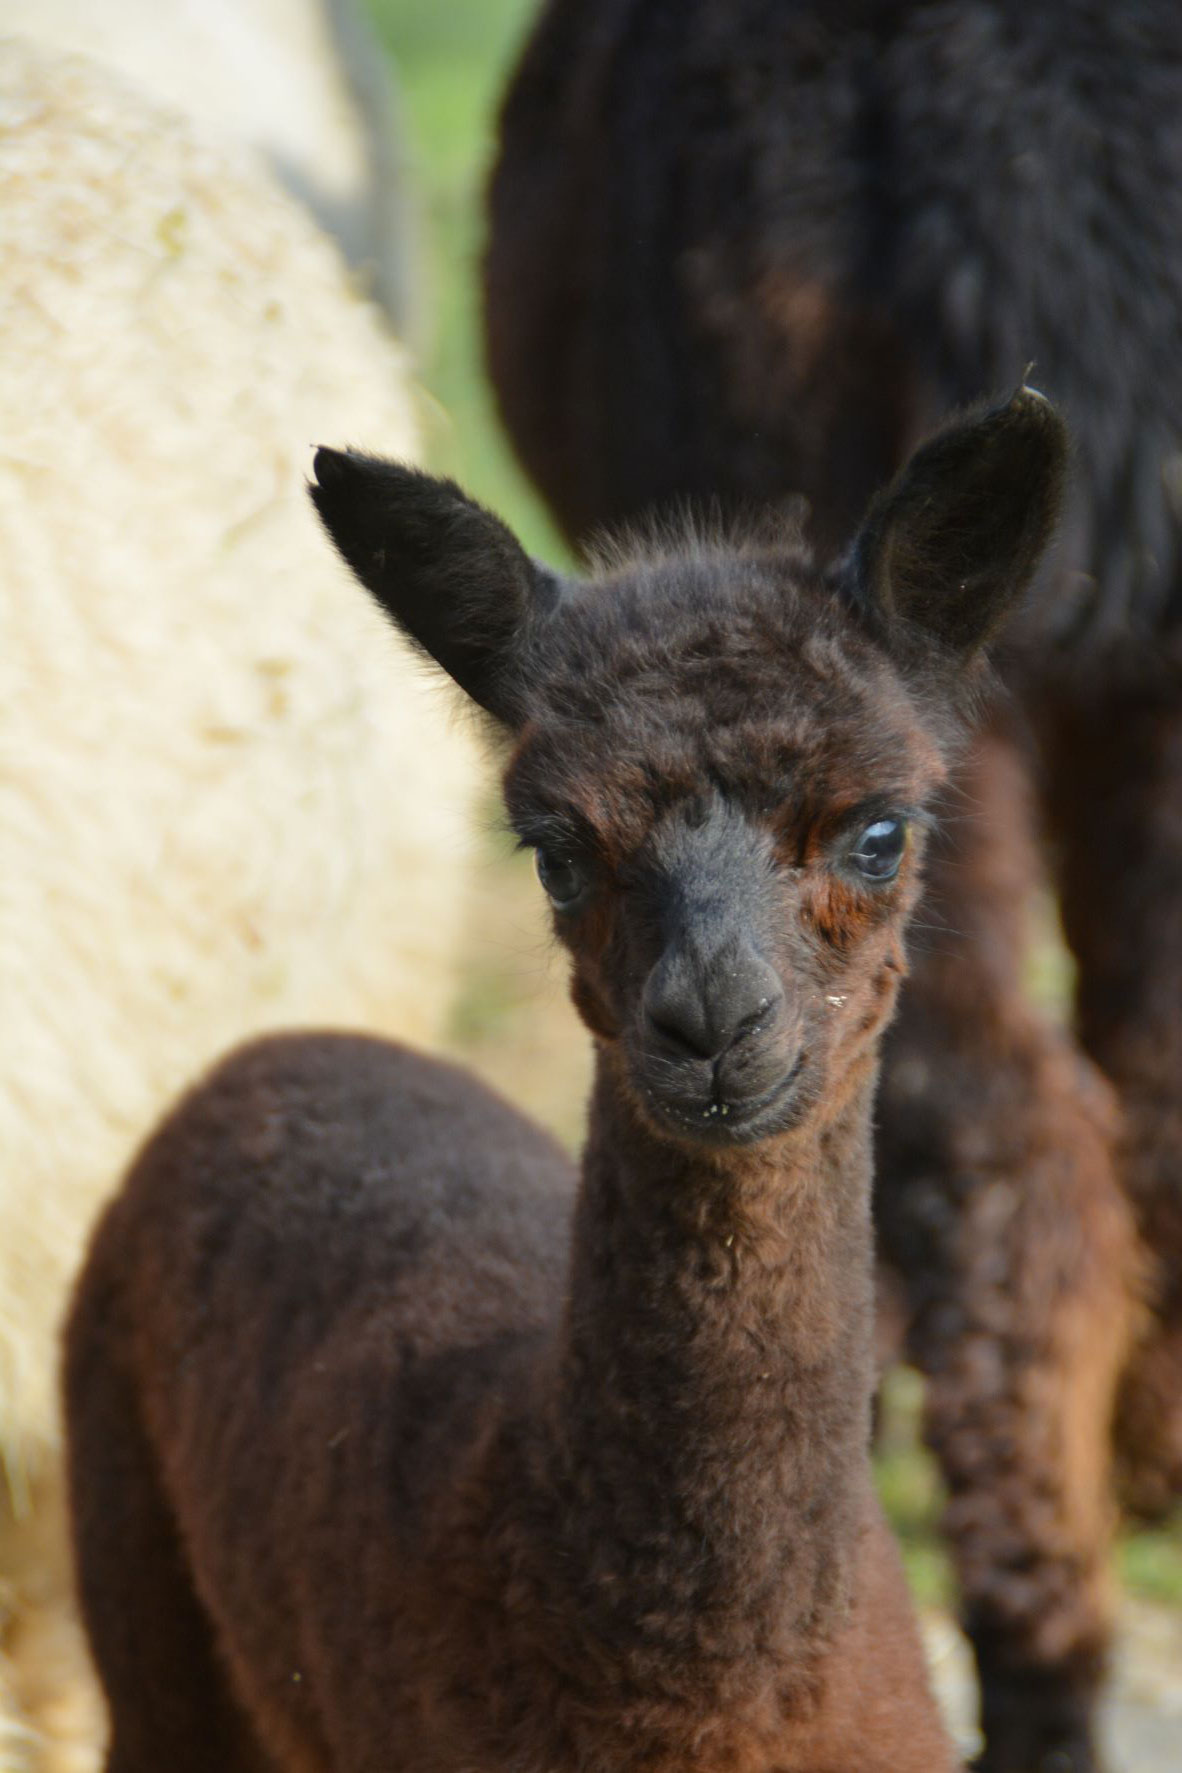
x: 701, y: 1008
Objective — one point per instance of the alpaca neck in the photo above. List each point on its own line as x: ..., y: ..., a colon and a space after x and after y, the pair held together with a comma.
x: 711, y: 1413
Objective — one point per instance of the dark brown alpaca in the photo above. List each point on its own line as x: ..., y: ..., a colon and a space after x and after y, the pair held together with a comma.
x: 745, y: 248
x: 394, y: 1443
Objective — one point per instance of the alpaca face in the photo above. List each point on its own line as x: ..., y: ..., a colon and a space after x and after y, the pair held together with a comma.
x: 726, y: 781
x: 723, y: 754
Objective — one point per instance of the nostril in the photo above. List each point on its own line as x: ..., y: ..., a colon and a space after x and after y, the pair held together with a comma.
x: 686, y: 1033
x: 678, y: 1012
x: 759, y: 1020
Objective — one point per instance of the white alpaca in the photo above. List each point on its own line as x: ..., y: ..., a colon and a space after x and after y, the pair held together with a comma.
x: 216, y: 814
x: 303, y: 81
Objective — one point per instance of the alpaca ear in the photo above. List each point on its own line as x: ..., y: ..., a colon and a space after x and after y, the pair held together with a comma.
x: 448, y: 573
x: 950, y: 546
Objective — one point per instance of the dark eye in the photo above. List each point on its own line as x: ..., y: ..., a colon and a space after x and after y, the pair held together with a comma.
x: 879, y: 851
x: 562, y: 878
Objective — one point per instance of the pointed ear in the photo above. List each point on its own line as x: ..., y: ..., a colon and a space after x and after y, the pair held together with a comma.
x: 953, y: 542
x: 449, y: 574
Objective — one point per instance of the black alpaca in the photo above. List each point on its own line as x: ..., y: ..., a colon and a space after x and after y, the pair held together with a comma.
x: 393, y: 1442
x: 749, y: 248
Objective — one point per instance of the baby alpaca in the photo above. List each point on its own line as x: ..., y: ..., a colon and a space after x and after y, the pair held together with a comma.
x: 397, y: 1444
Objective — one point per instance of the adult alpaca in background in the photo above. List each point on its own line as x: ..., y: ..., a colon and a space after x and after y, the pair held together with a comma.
x: 751, y: 249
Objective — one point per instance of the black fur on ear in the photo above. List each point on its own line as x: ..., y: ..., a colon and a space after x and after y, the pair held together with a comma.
x: 448, y: 573
x: 951, y: 545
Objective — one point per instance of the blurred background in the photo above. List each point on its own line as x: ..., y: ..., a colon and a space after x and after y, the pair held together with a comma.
x: 507, y: 1015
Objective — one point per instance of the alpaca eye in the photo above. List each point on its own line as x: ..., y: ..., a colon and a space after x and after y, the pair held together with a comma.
x: 562, y: 878
x: 879, y: 851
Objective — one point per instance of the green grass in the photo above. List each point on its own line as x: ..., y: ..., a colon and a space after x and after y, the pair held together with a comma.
x: 452, y: 58
x: 1150, y: 1563
x: 909, y: 1485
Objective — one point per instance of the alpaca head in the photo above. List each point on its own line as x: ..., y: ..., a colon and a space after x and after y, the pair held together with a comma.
x: 723, y: 750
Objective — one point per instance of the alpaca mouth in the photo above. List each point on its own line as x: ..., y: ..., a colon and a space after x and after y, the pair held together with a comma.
x: 731, y: 1120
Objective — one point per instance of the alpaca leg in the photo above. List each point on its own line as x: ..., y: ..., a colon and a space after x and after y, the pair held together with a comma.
x: 998, y: 1206
x: 170, y: 1704
x: 1116, y: 795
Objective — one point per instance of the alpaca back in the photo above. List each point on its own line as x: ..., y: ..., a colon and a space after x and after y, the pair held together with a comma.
x: 834, y: 222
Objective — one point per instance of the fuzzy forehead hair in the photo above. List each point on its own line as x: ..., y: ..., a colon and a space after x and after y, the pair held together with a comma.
x: 736, y: 675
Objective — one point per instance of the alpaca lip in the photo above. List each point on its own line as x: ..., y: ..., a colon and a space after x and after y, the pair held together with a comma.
x: 735, y: 1122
